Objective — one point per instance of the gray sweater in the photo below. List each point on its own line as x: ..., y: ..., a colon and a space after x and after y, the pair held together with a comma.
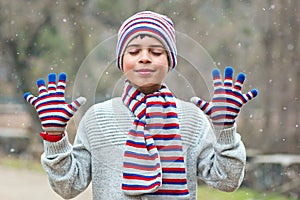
x: 218, y: 159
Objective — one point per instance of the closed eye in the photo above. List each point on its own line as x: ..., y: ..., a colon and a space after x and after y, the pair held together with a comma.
x: 133, y: 52
x: 157, y: 51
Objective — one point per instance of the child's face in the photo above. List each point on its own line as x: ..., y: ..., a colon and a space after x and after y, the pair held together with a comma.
x: 145, y: 63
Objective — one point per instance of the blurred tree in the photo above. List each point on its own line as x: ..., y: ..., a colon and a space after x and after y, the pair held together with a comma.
x: 281, y: 71
x: 258, y: 38
x: 19, y: 41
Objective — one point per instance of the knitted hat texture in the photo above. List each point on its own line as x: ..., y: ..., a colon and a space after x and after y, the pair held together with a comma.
x: 149, y: 23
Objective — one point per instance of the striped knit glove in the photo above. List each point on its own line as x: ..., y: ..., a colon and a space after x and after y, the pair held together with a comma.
x: 227, y: 100
x: 51, y: 105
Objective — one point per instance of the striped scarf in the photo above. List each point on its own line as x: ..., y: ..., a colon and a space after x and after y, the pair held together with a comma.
x: 153, y: 158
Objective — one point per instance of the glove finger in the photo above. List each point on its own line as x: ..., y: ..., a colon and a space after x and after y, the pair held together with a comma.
x: 77, y: 103
x: 203, y: 105
x: 217, y: 79
x: 52, y: 83
x: 29, y: 98
x: 61, y: 85
x: 228, y: 74
x: 238, y: 85
x: 41, y: 86
x: 251, y: 94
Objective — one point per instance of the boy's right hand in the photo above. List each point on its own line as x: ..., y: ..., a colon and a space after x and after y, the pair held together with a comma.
x: 51, y: 105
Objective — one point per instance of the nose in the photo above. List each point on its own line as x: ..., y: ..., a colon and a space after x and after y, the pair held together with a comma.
x: 145, y: 57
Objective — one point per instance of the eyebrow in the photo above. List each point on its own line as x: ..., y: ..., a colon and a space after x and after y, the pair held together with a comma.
x: 151, y: 46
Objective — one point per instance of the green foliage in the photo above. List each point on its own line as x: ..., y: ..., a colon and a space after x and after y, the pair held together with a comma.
x: 205, y: 192
x: 19, y: 163
x: 51, y: 46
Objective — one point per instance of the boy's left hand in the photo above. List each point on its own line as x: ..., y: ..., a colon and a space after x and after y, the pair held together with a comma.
x: 227, y: 99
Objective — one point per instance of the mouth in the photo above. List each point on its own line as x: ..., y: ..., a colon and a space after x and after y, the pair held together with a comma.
x: 144, y: 72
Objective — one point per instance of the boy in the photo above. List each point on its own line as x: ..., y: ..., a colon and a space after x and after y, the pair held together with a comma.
x: 146, y: 144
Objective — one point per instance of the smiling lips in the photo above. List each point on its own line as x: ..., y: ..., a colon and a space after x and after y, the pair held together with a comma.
x: 144, y: 71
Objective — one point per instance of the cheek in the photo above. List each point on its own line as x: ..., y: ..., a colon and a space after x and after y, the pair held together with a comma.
x: 164, y: 61
x: 127, y: 64
x: 164, y: 73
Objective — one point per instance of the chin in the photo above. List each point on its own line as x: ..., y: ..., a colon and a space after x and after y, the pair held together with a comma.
x: 148, y: 84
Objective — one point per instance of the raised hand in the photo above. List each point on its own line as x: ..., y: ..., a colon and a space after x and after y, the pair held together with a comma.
x: 227, y: 98
x: 51, y: 105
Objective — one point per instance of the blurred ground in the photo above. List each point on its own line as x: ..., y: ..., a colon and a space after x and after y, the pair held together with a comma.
x: 25, y: 184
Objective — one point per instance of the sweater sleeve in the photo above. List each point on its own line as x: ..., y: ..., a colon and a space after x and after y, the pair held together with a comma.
x: 68, y: 167
x: 221, y: 157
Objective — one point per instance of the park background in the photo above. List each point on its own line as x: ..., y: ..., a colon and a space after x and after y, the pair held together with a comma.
x: 259, y: 38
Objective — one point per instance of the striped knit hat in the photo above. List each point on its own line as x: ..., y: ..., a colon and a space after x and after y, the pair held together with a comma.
x: 148, y: 23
